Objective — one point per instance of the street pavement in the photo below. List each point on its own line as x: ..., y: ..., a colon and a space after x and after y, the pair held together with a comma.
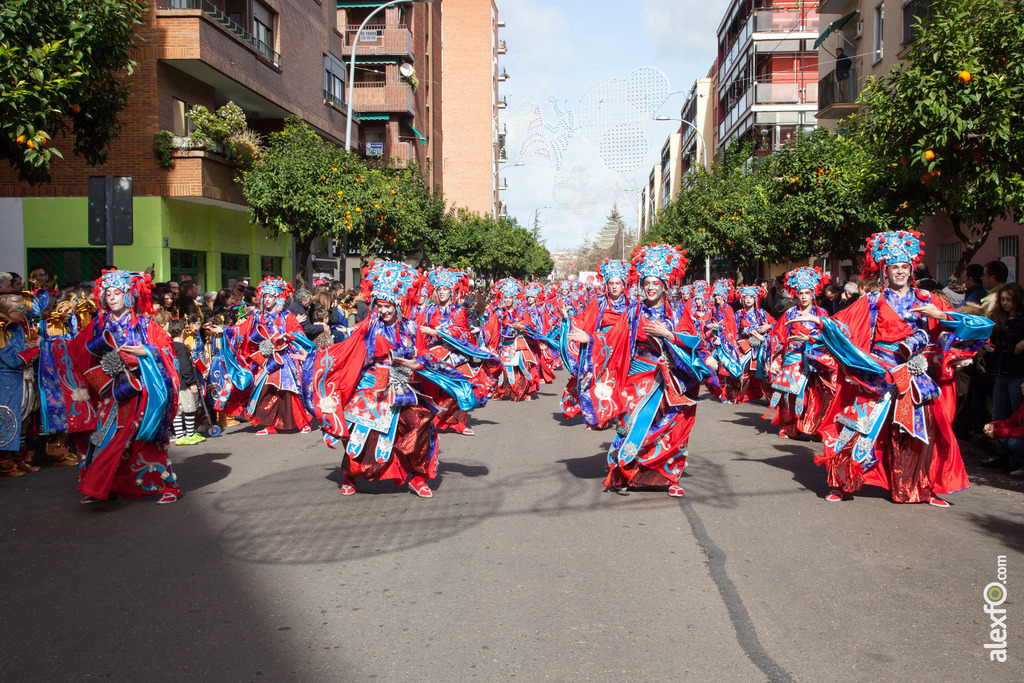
x: 521, y: 567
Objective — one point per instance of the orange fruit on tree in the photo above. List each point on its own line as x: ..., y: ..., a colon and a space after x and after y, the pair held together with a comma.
x: 75, y: 109
x: 20, y: 139
x: 965, y: 76
x: 31, y: 145
x: 929, y: 155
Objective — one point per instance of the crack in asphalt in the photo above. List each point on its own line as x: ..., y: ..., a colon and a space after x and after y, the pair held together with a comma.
x: 746, y: 632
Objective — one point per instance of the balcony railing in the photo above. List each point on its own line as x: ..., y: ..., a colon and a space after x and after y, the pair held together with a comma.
x: 377, y: 96
x: 785, y: 93
x: 333, y: 99
x: 784, y: 21
x: 217, y: 14
x: 379, y: 39
x: 834, y: 91
x: 735, y: 47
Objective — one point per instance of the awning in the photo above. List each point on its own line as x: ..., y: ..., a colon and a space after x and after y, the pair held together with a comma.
x: 423, y: 140
x: 373, y: 117
x: 372, y: 59
x: 344, y: 4
x: 835, y: 26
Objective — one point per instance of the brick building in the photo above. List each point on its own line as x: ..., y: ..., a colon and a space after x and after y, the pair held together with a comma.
x: 273, y: 58
x: 469, y: 73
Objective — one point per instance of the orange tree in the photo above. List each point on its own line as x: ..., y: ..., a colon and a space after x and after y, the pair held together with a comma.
x: 64, y: 70
x: 309, y: 188
x: 951, y: 118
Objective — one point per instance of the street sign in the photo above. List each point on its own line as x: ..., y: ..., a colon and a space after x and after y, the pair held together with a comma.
x: 369, y: 36
x: 110, y: 213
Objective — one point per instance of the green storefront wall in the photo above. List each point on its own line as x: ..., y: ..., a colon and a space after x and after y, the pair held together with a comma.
x: 56, y: 223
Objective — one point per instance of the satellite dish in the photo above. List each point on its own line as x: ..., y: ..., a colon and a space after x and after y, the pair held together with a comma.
x: 406, y: 70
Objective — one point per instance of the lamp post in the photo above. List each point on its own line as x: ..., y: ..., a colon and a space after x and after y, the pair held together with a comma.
x: 498, y: 188
x: 352, y: 68
x: 707, y: 167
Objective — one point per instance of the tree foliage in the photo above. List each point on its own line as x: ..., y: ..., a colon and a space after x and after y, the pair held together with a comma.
x: 309, y: 188
x: 950, y: 118
x: 822, y: 193
x: 65, y: 68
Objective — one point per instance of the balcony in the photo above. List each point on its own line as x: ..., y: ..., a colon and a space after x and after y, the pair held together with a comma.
x: 501, y: 48
x: 838, y: 99
x: 785, y: 21
x: 912, y: 11
x: 736, y: 48
x: 374, y: 96
x: 769, y: 92
x: 379, y: 39
x: 217, y: 16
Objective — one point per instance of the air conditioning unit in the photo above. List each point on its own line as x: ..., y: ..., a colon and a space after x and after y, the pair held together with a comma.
x: 858, y: 30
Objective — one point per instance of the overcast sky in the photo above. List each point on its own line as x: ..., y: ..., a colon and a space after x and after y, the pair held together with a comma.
x: 564, y: 52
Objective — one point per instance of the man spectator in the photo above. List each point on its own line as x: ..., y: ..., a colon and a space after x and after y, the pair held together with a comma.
x: 5, y: 283
x: 995, y: 274
x: 829, y: 299
x: 299, y: 307
x: 843, y: 66
x: 973, y: 275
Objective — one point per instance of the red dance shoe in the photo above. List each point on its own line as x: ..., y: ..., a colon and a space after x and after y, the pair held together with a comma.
x: 266, y: 430
x: 420, y: 488
x: 305, y: 430
x: 348, y: 487
x: 834, y: 496
x: 937, y: 502
x: 676, y: 491
x: 168, y: 497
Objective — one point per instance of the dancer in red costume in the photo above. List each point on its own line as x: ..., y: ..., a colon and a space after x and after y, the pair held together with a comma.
x: 803, y: 371
x: 507, y: 330
x: 898, y: 348
x: 362, y: 389
x: 663, y: 379
x: 273, y: 347
x: 450, y: 341
x: 753, y: 325
x: 720, y: 340
x: 597, y: 351
x: 128, y: 361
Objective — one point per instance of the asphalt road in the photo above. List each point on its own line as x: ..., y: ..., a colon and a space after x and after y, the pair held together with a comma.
x: 520, y: 568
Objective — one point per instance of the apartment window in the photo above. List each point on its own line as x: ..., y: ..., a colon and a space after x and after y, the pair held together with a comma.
x: 263, y: 21
x: 912, y: 11
x: 334, y: 80
x: 1008, y: 250
x: 877, y: 35
x: 179, y: 112
x: 270, y: 265
x: 188, y: 266
x: 233, y: 267
x: 946, y: 260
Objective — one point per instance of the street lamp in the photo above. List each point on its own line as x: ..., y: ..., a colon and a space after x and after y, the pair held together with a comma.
x: 707, y: 167
x: 498, y: 188
x: 352, y: 67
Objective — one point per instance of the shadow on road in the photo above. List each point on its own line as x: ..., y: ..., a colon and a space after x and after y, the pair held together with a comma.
x: 200, y: 471
x: 1008, y: 532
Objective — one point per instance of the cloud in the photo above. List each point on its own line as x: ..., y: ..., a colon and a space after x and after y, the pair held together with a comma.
x: 684, y: 28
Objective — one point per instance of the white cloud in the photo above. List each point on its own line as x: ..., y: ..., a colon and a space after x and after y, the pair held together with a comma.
x: 684, y: 28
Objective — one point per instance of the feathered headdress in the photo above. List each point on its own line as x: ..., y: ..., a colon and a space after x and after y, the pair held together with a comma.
x: 137, y: 288
x: 803, y: 278
x: 455, y: 280
x: 391, y: 281
x: 275, y: 287
x: 616, y: 268
x: 886, y: 248
x: 534, y: 289
x: 662, y: 261
x: 750, y: 290
x: 686, y: 289
x: 508, y: 287
x: 724, y: 288
x: 701, y: 289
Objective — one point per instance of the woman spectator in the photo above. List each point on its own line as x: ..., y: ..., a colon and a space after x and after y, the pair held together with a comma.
x: 1006, y: 349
